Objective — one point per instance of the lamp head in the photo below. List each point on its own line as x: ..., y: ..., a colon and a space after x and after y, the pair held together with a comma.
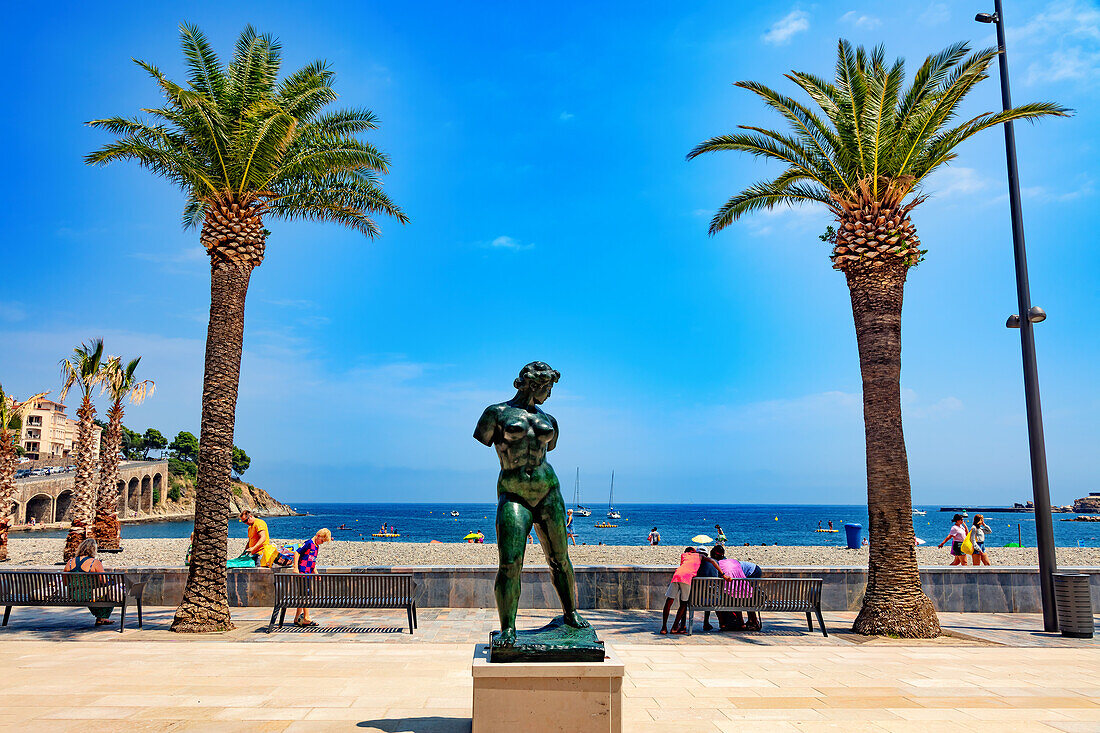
x: 986, y: 17
x: 1035, y: 314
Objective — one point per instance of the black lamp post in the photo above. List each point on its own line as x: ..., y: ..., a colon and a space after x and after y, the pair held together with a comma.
x: 1029, y: 315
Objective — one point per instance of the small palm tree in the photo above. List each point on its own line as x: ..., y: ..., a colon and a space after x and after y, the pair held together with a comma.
x: 865, y: 160
x: 243, y: 146
x: 120, y: 383
x: 85, y: 371
x: 12, y: 413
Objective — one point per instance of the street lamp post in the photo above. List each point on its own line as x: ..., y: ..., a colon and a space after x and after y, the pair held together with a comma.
x: 1026, y: 319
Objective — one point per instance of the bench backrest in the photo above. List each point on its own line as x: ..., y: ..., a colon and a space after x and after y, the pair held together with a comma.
x: 763, y: 594
x: 36, y: 588
x: 344, y: 590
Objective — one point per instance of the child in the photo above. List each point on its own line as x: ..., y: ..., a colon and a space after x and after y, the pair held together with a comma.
x: 305, y: 562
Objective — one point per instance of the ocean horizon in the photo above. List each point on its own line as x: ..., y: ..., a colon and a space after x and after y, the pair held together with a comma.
x: 754, y: 524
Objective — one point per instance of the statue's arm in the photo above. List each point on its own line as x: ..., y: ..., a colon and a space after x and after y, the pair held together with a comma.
x: 553, y: 441
x: 488, y: 426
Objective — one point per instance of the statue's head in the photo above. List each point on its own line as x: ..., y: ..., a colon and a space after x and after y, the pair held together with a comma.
x: 537, y: 379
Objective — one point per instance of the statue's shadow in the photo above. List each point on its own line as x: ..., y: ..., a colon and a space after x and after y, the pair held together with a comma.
x: 429, y: 724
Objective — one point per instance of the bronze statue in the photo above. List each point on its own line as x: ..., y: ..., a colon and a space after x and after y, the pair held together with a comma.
x: 528, y: 494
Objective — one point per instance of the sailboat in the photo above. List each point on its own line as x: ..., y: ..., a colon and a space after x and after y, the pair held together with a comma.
x: 611, y: 512
x: 580, y: 510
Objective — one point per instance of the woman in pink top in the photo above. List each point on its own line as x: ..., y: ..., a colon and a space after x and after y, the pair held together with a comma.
x: 680, y: 587
x: 956, y: 536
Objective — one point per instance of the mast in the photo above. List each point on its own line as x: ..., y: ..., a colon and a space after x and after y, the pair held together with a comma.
x: 611, y: 496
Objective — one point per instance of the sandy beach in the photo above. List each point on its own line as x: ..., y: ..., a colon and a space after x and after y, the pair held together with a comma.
x: 170, y: 553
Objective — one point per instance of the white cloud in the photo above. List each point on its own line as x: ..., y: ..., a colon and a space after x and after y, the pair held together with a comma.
x: 566, y: 116
x: 1059, y: 44
x: 783, y: 29
x: 12, y: 312
x: 935, y: 14
x: 866, y: 22
x: 956, y: 181
x: 510, y: 243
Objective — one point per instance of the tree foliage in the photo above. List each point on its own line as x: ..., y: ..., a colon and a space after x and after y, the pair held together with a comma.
x: 870, y: 131
x: 237, y: 133
x: 241, y: 461
x: 185, y: 447
x: 153, y: 439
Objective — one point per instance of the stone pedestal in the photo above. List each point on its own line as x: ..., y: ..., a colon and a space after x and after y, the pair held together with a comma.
x: 548, y: 697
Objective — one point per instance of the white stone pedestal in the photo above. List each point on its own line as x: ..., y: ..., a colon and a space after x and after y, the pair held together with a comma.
x: 556, y: 697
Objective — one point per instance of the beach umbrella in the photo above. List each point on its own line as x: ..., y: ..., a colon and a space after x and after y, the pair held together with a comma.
x: 471, y: 536
x: 702, y: 539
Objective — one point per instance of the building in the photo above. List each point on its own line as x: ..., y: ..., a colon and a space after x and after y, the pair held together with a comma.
x: 49, y: 434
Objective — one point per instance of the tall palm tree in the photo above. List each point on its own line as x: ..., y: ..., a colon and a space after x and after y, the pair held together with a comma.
x: 243, y: 146
x: 12, y: 413
x: 83, y: 370
x: 865, y: 160
x: 120, y: 382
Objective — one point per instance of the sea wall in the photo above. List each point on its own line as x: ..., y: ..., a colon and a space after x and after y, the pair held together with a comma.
x: 987, y: 590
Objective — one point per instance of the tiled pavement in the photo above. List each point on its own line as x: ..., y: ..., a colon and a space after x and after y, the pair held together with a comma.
x: 361, y: 672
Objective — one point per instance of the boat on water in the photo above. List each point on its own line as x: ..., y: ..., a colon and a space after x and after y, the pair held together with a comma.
x: 612, y: 513
x: 579, y: 509
x: 919, y: 512
x: 454, y: 513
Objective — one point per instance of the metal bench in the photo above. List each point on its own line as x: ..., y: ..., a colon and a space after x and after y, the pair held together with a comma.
x: 757, y: 594
x: 89, y: 590
x: 342, y: 590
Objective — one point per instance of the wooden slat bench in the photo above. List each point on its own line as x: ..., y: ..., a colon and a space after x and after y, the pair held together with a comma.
x: 343, y: 590
x: 90, y: 590
x: 758, y: 594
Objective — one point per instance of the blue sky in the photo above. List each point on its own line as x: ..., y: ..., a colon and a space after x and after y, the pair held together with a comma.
x: 539, y: 152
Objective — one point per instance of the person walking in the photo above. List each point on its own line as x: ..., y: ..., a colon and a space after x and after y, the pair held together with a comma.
x: 654, y: 537
x: 305, y: 563
x: 569, y: 533
x: 956, y: 536
x: 720, y: 536
x: 978, y: 531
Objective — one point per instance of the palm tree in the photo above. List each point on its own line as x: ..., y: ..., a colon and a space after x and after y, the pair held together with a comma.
x: 120, y: 383
x: 865, y: 161
x: 12, y: 413
x: 84, y: 370
x: 243, y: 146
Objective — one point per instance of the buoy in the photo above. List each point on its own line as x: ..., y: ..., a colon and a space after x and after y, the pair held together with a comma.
x: 777, y: 519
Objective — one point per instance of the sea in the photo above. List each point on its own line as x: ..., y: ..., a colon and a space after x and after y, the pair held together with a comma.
x: 755, y: 524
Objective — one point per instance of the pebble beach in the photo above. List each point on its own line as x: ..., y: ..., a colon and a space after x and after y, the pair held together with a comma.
x: 170, y: 552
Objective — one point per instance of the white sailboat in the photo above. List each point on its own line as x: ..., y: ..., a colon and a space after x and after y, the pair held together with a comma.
x: 579, y: 509
x: 612, y: 513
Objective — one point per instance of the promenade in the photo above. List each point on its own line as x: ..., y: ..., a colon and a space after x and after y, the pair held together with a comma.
x: 360, y: 671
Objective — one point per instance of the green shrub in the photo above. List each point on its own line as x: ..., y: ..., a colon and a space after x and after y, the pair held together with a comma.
x: 238, y: 491
x: 174, y: 493
x: 176, y: 467
x: 156, y: 496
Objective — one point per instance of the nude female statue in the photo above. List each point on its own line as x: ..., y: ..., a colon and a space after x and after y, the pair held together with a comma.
x: 528, y: 494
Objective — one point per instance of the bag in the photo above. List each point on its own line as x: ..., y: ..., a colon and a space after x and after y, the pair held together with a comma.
x: 967, y: 547
x: 244, y: 560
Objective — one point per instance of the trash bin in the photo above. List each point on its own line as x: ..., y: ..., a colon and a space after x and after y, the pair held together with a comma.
x: 852, y: 531
x: 1071, y: 598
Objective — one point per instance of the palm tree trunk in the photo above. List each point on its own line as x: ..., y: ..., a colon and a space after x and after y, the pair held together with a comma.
x: 108, y: 532
x: 205, y: 605
x: 85, y: 482
x: 894, y: 603
x: 7, y: 487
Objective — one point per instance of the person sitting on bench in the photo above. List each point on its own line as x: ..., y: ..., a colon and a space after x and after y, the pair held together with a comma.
x: 83, y: 588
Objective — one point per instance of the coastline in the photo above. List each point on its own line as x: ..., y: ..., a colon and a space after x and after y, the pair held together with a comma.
x: 169, y: 552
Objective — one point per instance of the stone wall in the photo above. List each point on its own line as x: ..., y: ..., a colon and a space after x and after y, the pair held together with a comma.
x: 989, y: 590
